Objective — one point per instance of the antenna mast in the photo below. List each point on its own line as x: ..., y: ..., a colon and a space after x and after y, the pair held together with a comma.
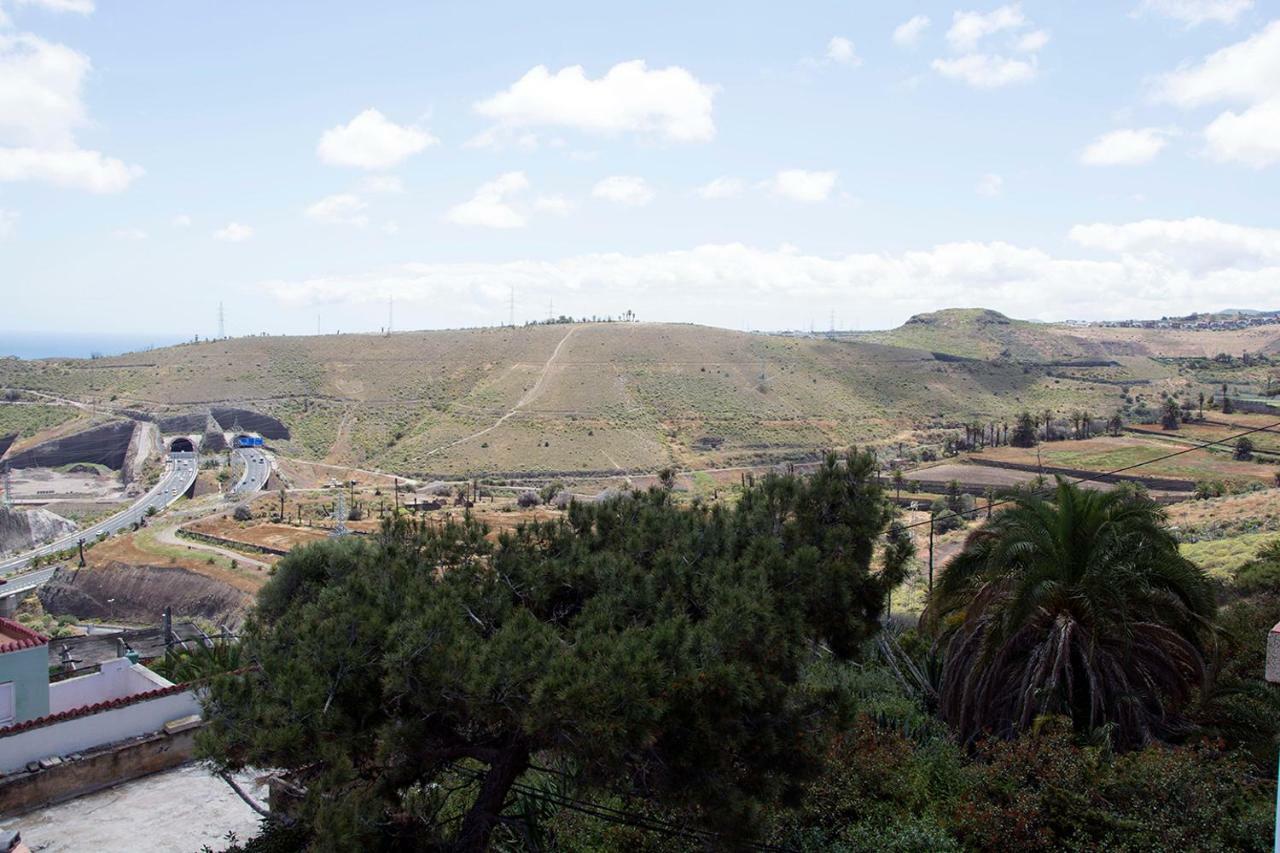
x: 222, y: 330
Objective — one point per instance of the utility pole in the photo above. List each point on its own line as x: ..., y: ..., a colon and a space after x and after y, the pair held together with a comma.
x: 222, y: 328
x: 931, y: 552
x: 397, y: 484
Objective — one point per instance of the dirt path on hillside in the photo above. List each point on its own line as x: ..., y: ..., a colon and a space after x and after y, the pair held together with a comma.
x: 169, y: 536
x: 529, y: 397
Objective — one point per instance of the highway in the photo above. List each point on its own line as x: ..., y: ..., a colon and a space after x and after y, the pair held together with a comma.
x: 179, y: 473
x: 257, y: 468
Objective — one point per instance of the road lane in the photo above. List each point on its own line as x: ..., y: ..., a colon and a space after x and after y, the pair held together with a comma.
x: 257, y: 468
x: 180, y: 472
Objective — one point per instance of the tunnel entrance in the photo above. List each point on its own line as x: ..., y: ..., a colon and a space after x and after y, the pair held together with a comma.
x: 181, y: 445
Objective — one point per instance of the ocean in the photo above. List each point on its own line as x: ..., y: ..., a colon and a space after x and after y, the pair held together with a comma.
x: 78, y: 344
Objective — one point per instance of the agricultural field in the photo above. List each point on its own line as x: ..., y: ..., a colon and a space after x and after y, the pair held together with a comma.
x: 1106, y: 453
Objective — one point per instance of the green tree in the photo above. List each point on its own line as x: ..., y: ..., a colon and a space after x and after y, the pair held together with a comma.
x: 1024, y: 431
x: 1170, y: 415
x: 642, y: 646
x: 1077, y: 605
x: 1115, y: 425
x: 1244, y: 449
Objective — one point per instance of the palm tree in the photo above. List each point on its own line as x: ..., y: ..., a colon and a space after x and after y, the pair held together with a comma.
x: 1077, y: 605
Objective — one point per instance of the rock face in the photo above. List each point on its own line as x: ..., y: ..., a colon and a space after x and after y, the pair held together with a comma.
x: 250, y: 421
x: 214, y: 441
x: 22, y: 529
x: 140, y: 593
x: 104, y: 445
x: 144, y: 443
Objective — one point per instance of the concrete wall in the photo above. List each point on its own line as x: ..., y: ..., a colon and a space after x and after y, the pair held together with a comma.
x: 28, y: 669
x: 115, y: 679
x: 95, y: 770
x: 78, y: 734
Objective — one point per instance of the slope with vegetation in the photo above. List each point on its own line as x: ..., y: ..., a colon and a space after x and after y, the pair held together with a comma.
x: 614, y: 397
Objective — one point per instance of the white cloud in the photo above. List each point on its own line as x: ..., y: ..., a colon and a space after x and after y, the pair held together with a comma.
x: 234, y: 232
x: 371, y: 141
x: 722, y: 187
x: 557, y: 205
x: 75, y: 168
x: 840, y: 51
x: 40, y: 109
x: 976, y: 63
x: 132, y: 234
x: 803, y: 185
x: 182, y: 221
x: 1032, y: 42
x: 1247, y: 73
x: 907, y: 34
x: 624, y: 189
x: 1244, y: 72
x: 389, y: 184
x: 986, y: 71
x: 1128, y: 147
x: 8, y: 223
x: 1196, y: 12
x: 1198, y: 244
x: 969, y: 28
x: 630, y: 98
x: 82, y: 7
x: 1125, y: 280
x: 990, y: 185
x: 1251, y: 137
x: 489, y: 207
x: 340, y: 209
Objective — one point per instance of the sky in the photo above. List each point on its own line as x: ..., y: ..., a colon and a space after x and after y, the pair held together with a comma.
x: 739, y: 164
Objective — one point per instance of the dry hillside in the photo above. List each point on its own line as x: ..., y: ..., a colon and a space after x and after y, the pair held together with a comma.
x: 610, y: 397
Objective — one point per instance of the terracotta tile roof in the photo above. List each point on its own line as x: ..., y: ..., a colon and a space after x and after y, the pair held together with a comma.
x: 14, y: 636
x: 97, y: 707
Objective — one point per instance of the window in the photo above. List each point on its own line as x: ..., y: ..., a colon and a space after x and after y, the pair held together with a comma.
x: 6, y: 704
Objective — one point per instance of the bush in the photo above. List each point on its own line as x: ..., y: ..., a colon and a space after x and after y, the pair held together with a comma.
x: 528, y: 499
x: 242, y: 513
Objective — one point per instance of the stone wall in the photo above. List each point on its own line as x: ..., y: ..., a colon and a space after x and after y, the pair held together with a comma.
x: 94, y: 770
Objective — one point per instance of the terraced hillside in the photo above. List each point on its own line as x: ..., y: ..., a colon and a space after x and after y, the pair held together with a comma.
x: 608, y: 397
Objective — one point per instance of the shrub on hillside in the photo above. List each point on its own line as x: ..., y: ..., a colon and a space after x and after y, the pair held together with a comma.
x: 528, y: 499
x: 242, y: 513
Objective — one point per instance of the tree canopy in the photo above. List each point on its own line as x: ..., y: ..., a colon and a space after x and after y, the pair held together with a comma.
x: 636, y: 644
x: 1078, y: 605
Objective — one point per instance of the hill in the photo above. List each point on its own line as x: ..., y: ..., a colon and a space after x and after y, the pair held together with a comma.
x: 602, y: 398
x: 982, y: 333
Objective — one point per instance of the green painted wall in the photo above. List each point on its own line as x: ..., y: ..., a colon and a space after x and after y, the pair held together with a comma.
x: 28, y: 669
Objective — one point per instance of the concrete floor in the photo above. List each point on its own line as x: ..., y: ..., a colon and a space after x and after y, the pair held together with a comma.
x: 180, y: 810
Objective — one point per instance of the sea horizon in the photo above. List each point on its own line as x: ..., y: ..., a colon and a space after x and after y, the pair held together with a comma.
x: 36, y: 345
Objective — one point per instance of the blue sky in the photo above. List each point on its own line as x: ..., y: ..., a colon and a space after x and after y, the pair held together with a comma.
x: 740, y: 164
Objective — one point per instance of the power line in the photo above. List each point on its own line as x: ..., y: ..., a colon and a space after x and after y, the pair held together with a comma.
x: 610, y: 814
x: 1113, y: 472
